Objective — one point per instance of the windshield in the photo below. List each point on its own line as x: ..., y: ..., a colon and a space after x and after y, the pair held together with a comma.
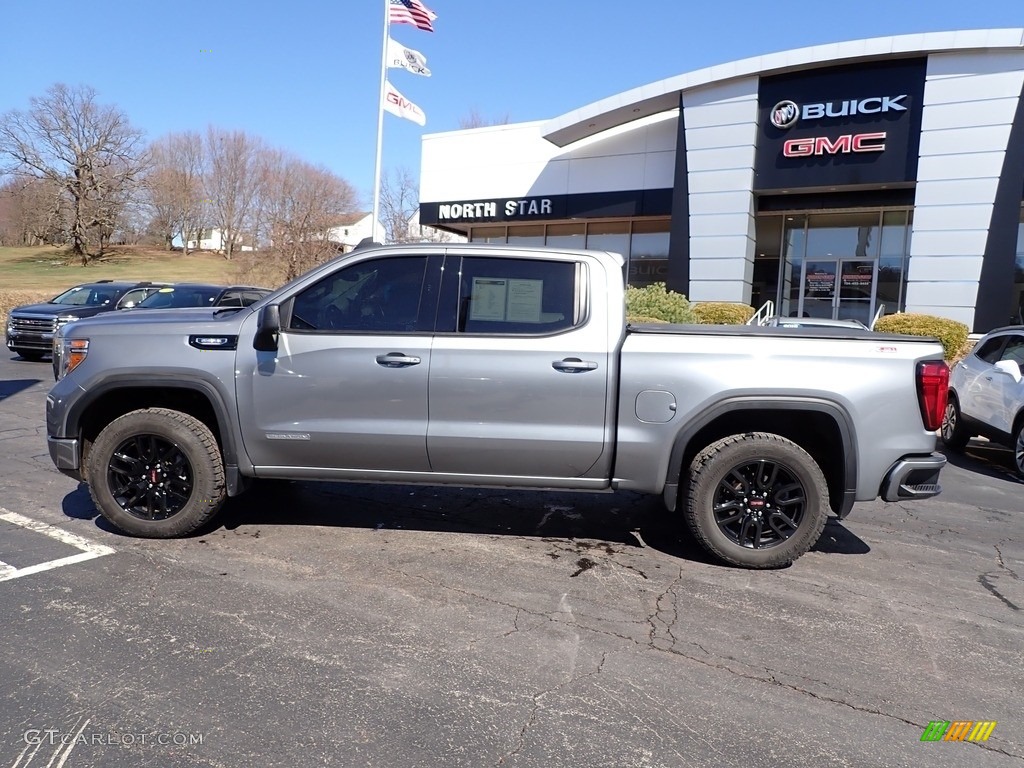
x: 179, y: 298
x: 87, y: 296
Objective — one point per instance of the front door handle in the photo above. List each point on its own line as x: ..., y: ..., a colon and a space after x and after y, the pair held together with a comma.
x: 397, y: 360
x: 573, y: 365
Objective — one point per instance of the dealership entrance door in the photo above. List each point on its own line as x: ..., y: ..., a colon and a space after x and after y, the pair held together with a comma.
x: 843, y: 264
x: 838, y: 289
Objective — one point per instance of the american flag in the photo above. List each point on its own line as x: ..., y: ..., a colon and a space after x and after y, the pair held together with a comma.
x: 411, y: 12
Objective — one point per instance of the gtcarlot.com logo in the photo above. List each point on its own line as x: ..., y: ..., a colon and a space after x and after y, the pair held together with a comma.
x: 52, y: 736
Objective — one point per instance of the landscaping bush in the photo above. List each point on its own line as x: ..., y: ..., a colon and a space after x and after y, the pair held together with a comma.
x: 952, y: 334
x: 643, y: 320
x: 722, y: 313
x: 654, y: 302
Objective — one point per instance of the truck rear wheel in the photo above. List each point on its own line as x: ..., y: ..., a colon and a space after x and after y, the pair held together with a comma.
x: 757, y: 500
x: 156, y: 473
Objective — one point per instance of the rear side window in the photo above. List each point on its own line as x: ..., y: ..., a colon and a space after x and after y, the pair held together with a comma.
x: 1014, y: 350
x: 989, y: 351
x: 517, y: 296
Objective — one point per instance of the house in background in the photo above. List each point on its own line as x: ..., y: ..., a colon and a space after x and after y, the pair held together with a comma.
x: 351, y: 228
x: 213, y: 240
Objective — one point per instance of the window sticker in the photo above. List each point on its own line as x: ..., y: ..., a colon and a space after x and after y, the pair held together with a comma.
x: 487, y: 301
x: 524, y: 300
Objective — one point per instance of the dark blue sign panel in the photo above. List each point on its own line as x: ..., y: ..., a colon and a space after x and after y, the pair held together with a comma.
x: 840, y: 126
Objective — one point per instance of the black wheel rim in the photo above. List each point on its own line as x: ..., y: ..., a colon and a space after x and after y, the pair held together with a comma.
x: 760, y: 504
x: 149, y: 477
x: 1018, y: 451
x: 949, y: 422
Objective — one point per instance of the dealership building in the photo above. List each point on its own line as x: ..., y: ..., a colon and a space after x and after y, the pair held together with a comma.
x: 835, y: 181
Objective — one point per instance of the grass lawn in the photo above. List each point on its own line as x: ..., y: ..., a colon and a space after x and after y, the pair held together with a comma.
x: 40, y: 273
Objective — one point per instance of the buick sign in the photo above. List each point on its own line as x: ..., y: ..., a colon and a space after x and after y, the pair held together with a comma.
x: 785, y: 114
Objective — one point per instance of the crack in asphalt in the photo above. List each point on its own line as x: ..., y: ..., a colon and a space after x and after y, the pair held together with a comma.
x: 769, y: 678
x: 537, y: 705
x: 1002, y: 563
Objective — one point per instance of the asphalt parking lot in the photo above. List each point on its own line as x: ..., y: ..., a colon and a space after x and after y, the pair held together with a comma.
x: 396, y: 626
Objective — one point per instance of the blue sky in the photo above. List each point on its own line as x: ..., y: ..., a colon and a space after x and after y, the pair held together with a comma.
x: 304, y: 75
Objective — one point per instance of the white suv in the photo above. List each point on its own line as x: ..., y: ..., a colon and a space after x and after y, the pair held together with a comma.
x: 986, y: 394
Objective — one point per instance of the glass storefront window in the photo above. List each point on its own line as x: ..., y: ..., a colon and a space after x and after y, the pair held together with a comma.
x: 844, y: 265
x: 794, y: 245
x: 532, y: 234
x: 1018, y: 278
x: 648, y: 253
x: 487, y: 235
x: 892, y: 261
x: 567, y: 235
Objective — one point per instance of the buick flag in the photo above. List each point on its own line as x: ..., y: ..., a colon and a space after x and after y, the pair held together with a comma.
x: 406, y: 58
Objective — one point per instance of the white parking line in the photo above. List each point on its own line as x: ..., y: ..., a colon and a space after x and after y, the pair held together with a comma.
x: 89, y: 549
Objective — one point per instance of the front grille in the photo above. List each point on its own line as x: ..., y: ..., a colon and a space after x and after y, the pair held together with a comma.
x: 34, y: 324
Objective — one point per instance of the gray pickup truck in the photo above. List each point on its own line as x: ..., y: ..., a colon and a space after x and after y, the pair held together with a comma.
x: 478, y: 365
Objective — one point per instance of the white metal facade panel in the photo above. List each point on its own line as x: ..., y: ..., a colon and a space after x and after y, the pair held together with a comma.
x: 955, y: 196
x: 722, y: 224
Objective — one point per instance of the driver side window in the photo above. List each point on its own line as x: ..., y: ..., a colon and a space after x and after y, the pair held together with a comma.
x: 375, y: 296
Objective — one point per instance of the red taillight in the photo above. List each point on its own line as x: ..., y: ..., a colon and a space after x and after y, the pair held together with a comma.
x: 932, y: 390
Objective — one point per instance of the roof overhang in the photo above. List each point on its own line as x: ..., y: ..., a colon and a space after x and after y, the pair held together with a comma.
x: 664, y: 95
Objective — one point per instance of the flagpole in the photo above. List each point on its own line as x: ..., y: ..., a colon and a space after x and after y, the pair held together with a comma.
x: 380, y: 122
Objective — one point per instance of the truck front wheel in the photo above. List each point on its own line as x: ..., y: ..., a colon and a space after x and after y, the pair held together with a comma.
x: 757, y: 500
x: 156, y: 473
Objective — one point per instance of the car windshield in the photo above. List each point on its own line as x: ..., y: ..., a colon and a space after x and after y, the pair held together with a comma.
x: 86, y: 296
x: 180, y: 297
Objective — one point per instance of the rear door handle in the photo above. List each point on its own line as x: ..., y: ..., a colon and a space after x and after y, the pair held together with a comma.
x: 573, y: 365
x: 397, y: 360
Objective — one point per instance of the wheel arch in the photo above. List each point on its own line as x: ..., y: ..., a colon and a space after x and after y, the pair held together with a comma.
x: 826, y: 432
x: 191, y: 395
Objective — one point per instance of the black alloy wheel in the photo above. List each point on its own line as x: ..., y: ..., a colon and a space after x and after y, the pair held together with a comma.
x: 760, y: 504
x: 156, y: 472
x: 150, y: 477
x: 756, y: 500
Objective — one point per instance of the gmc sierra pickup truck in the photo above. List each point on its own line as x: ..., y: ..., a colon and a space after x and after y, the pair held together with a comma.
x: 479, y: 365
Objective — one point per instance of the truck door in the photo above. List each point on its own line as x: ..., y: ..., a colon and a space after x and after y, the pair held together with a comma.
x: 347, y: 387
x: 519, y: 369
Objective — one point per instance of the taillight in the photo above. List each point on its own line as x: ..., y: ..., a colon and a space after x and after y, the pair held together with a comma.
x: 932, y: 390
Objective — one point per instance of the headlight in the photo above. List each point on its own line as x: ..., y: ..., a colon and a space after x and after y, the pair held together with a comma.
x: 68, y: 354
x: 63, y: 320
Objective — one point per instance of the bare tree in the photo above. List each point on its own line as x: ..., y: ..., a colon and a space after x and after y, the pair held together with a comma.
x: 399, y: 210
x: 232, y: 183
x: 33, y: 211
x: 300, y: 203
x: 175, y: 188
x: 475, y: 120
x: 90, y: 150
x: 399, y: 200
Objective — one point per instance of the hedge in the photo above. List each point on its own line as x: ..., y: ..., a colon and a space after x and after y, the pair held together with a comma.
x: 653, y: 302
x: 722, y: 313
x: 952, y: 334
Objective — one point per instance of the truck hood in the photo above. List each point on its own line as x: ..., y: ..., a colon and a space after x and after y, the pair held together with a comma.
x: 213, y: 320
x: 51, y: 310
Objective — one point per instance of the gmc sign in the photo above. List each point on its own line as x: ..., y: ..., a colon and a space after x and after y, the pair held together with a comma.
x: 823, y: 145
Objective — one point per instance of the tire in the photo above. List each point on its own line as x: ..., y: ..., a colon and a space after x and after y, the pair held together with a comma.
x: 954, y: 435
x: 730, y: 506
x: 156, y: 473
x: 32, y: 355
x: 1018, y: 448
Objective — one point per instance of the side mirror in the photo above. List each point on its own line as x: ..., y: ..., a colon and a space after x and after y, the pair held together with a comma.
x: 1010, y: 367
x: 267, y: 328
